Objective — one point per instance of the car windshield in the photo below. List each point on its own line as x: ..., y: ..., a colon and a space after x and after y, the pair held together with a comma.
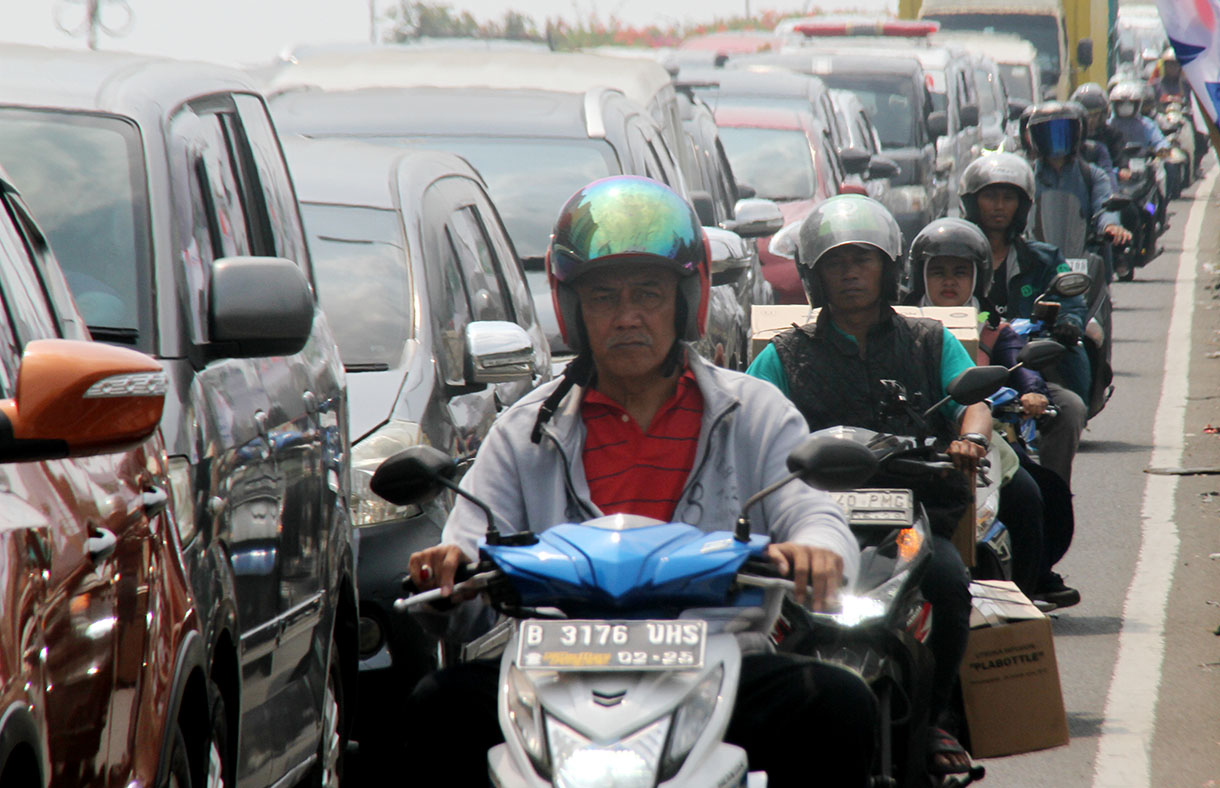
x: 1041, y: 30
x: 888, y: 100
x: 776, y: 162
x: 529, y: 180
x: 1017, y: 81
x: 360, y: 263
x: 83, y: 177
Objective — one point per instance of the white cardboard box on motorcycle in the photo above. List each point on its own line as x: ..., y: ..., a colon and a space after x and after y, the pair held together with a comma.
x: 768, y: 321
x: 1009, y: 675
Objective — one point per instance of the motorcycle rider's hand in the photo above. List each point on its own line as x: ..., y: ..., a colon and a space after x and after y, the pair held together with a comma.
x: 966, y: 455
x: 1066, y: 334
x: 1124, y: 174
x: 436, y: 567
x: 1118, y: 235
x: 815, y: 571
x: 1034, y: 404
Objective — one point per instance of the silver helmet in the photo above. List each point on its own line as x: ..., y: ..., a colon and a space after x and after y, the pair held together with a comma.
x: 848, y: 220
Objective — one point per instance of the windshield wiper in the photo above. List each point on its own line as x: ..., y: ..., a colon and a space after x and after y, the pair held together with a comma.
x: 121, y: 336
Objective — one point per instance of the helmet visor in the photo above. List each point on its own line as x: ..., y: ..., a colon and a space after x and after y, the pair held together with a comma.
x: 617, y: 218
x: 1055, y: 137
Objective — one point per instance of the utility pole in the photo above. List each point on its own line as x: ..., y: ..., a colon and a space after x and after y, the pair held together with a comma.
x: 372, y: 21
x: 91, y: 22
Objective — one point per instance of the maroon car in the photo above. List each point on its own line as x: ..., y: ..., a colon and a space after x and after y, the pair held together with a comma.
x: 783, y: 155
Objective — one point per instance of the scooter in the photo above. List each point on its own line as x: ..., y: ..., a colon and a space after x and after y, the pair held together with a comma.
x: 1145, y: 213
x: 1175, y: 124
x: 622, y: 637
x: 883, y: 623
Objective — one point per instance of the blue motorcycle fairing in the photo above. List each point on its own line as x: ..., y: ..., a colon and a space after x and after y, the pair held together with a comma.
x: 1002, y: 397
x: 627, y: 567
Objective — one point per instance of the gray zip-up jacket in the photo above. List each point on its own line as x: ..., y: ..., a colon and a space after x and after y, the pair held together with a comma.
x: 749, y: 427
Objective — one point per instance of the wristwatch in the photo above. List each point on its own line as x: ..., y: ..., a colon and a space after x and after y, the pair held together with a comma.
x: 976, y: 437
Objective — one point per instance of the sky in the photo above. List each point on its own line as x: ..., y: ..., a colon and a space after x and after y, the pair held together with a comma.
x: 247, y: 32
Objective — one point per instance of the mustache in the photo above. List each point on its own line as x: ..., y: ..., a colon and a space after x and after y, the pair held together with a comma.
x: 634, y: 338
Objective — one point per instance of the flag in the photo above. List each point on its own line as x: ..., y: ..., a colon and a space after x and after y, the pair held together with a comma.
x: 1194, y: 34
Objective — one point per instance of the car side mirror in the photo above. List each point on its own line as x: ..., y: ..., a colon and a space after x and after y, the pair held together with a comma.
x: 745, y: 191
x: 1015, y: 107
x: 976, y: 384
x: 969, y: 114
x: 412, y: 476
x: 258, y: 306
x: 497, y: 351
x: 730, y: 255
x: 705, y: 208
x: 755, y: 218
x: 1040, y: 354
x: 883, y: 167
x: 832, y: 463
x: 1084, y: 53
x: 855, y: 161
x: 938, y: 124
x: 78, y: 398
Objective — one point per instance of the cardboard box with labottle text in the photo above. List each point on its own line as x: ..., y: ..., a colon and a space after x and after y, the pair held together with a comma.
x: 767, y: 321
x: 1009, y: 676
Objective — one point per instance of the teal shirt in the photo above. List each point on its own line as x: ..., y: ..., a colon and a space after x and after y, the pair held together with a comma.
x: 953, y: 361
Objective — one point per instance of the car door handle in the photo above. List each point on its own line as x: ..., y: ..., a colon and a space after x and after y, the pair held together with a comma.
x: 153, y: 501
x: 101, y: 544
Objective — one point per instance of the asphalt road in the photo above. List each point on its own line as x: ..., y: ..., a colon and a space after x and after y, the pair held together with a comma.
x: 1139, y: 657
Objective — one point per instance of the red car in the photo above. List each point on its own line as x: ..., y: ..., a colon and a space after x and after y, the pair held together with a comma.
x: 102, y: 678
x: 785, y: 156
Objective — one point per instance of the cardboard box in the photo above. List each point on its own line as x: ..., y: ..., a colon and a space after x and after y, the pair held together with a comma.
x: 1010, y: 678
x: 767, y: 321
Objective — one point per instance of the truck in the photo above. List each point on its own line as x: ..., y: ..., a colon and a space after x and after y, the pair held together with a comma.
x: 1064, y: 32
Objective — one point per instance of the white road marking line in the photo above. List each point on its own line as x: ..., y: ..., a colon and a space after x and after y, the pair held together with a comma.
x: 1129, y: 721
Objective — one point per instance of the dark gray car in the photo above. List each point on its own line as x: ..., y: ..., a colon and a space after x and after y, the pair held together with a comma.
x: 162, y: 189
x: 437, y: 331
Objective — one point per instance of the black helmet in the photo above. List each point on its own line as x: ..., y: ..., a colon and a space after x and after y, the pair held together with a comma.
x: 1023, y: 128
x: 950, y: 238
x: 1007, y: 169
x: 1055, y: 129
x: 848, y: 220
x: 1096, y: 103
x: 622, y: 218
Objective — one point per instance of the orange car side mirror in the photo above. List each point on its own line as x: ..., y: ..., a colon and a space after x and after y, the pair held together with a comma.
x: 77, y: 398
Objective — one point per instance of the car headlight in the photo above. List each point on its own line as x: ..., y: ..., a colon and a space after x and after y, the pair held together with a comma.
x: 526, y: 715
x: 783, y: 243
x: 629, y: 763
x: 691, y: 719
x: 369, y: 508
x: 183, y: 494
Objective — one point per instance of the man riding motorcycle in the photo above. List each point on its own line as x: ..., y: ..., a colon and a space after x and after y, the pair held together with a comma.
x: 950, y: 264
x: 1093, y: 151
x: 997, y: 194
x: 1170, y: 84
x: 848, y: 256
x: 1096, y: 102
x: 639, y: 424
x: 1126, y: 102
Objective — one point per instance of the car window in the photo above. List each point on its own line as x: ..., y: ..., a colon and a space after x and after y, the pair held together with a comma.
x: 484, y: 284
x: 28, y: 310
x: 64, y: 311
x: 985, y: 92
x: 83, y: 176
x: 276, y: 192
x: 509, y: 266
x: 364, y: 282
x: 1017, y: 81
x: 889, y: 101
x: 776, y: 162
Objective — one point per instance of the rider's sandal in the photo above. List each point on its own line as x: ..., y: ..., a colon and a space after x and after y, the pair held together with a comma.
x: 944, y: 743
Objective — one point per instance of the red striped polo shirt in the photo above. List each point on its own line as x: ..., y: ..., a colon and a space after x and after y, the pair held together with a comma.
x: 631, y: 471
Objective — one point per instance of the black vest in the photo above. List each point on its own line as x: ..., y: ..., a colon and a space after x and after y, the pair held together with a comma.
x: 831, y: 384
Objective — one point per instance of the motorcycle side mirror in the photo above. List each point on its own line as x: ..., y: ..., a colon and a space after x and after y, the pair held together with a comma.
x: 413, y: 476
x: 977, y: 384
x: 832, y: 463
x: 1040, y: 354
x: 1067, y: 284
x: 417, y: 474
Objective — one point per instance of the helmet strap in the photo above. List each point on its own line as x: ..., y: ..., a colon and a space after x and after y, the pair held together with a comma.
x: 577, y: 372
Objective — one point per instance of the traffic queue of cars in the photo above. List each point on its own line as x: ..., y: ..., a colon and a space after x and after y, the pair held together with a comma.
x: 294, y: 300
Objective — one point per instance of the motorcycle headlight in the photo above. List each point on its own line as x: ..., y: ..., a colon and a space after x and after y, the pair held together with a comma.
x: 369, y: 508
x: 856, y: 609
x: 630, y: 763
x: 783, y: 243
x: 526, y: 715
x: 691, y: 719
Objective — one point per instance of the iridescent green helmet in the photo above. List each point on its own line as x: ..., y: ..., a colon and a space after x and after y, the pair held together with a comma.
x: 625, y: 218
x: 848, y: 220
